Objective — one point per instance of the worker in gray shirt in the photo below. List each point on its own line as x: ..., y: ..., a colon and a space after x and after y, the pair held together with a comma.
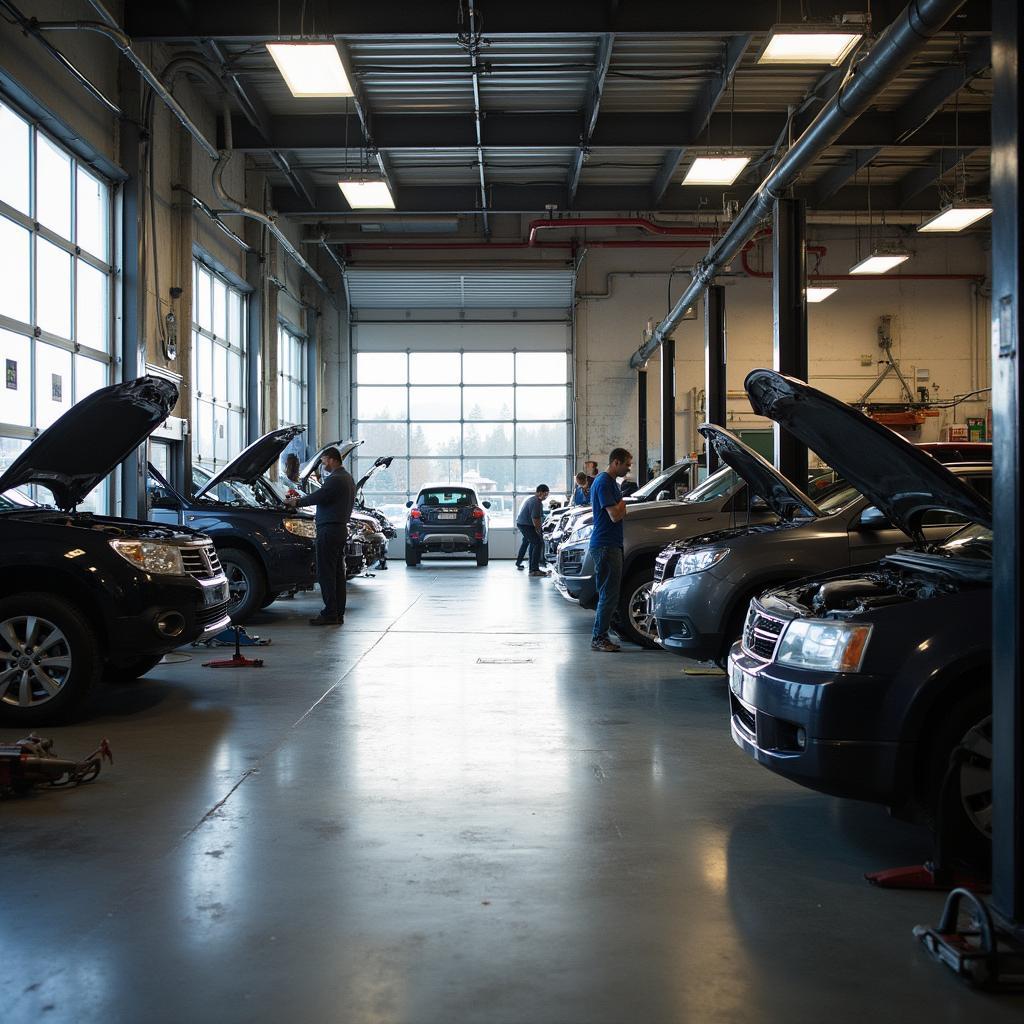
x: 529, y: 522
x: 334, y: 502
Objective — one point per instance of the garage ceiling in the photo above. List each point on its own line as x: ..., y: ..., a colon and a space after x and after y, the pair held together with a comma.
x: 581, y: 105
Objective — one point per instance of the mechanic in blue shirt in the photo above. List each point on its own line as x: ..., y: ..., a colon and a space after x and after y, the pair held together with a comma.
x: 529, y: 522
x: 606, y: 542
x: 581, y: 495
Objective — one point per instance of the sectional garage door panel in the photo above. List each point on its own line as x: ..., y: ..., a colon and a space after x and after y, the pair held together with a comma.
x: 460, y: 289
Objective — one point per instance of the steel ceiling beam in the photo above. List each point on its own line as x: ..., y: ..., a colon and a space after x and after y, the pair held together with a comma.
x: 911, y: 185
x: 842, y: 174
x: 700, y: 118
x: 602, y: 62
x: 253, y: 21
x: 315, y: 133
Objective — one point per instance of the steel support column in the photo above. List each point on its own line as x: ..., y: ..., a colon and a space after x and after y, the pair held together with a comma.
x: 641, y: 426
x: 789, y: 302
x: 1008, y: 570
x: 714, y: 363
x: 254, y: 274
x: 668, y: 403
x: 313, y: 363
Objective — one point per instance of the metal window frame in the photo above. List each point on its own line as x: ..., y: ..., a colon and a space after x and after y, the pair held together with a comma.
x: 298, y: 388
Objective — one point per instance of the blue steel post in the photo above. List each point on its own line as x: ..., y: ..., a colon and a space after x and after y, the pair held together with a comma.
x: 641, y: 426
x: 714, y: 363
x: 668, y: 403
x: 313, y: 361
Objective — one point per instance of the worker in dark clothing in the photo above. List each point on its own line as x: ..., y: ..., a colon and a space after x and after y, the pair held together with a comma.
x: 334, y: 502
x: 529, y: 521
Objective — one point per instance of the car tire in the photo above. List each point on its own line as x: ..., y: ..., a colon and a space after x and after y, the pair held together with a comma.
x: 631, y: 623
x: 482, y: 556
x: 78, y: 649
x: 129, y: 671
x: 966, y: 818
x: 412, y: 556
x: 271, y: 598
x: 245, y: 582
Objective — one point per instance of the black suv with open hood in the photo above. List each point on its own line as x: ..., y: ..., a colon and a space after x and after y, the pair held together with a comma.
x: 83, y: 594
x: 862, y: 682
x: 266, y: 549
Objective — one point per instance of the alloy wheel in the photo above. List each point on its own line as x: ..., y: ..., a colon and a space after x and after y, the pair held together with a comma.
x: 640, y: 617
x: 35, y: 660
x: 238, y: 584
x: 976, y: 776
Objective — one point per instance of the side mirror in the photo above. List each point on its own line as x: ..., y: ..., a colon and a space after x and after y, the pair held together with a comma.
x: 159, y: 498
x: 664, y: 496
x: 408, y: 504
x: 486, y: 504
x: 873, y: 518
x: 757, y: 502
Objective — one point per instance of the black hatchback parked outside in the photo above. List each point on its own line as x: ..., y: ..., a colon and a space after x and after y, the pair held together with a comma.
x: 83, y: 595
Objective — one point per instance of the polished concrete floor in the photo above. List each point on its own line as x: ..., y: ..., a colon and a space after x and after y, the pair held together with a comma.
x: 450, y: 811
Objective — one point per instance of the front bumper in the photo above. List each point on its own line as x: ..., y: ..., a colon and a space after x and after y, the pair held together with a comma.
x: 574, y: 575
x: 679, y: 631
x: 796, y: 723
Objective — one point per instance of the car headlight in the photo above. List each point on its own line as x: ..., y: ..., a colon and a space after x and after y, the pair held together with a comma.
x: 580, y: 534
x: 829, y: 646
x: 301, y: 527
x: 699, y: 560
x: 150, y: 556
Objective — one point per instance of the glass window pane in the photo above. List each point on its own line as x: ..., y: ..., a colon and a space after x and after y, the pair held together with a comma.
x: 220, y: 435
x: 392, y: 478
x: 15, y: 266
x: 91, y: 319
x: 236, y: 431
x: 381, y: 403
x: 90, y: 376
x: 204, y: 366
x: 236, y: 379
x: 434, y: 368
x: 220, y: 308
x: 531, y: 472
x: 487, y: 368
x: 490, y: 473
x: 53, y: 383
x: 14, y: 168
x: 235, y: 318
x: 381, y: 368
x: 96, y: 500
x: 488, y: 439
x: 203, y: 300
x: 435, y: 403
x: 91, y: 214
x: 435, y: 439
x: 204, y: 432
x: 53, y: 289
x: 424, y: 471
x: 487, y: 403
x: 542, y: 368
x: 53, y: 186
x: 540, y: 403
x: 220, y: 373
x: 10, y: 449
x: 383, y: 439
x: 541, y: 439
x: 16, y: 406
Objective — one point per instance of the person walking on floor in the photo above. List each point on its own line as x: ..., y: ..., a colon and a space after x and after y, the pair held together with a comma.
x: 581, y: 493
x: 606, y: 542
x: 334, y: 502
x: 529, y: 523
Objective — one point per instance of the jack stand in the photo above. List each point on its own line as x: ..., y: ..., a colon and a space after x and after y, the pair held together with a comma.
x: 238, y: 660
x: 939, y: 874
x: 980, y: 952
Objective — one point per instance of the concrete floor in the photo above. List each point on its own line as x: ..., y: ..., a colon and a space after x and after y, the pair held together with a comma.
x: 450, y: 810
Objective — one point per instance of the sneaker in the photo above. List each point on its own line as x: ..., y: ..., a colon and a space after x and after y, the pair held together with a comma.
x: 326, y: 620
x: 520, y: 566
x: 539, y: 572
x: 605, y: 646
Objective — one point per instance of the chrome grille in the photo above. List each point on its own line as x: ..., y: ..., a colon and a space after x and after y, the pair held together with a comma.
x: 663, y: 565
x: 761, y: 634
x: 570, y: 561
x: 201, y: 562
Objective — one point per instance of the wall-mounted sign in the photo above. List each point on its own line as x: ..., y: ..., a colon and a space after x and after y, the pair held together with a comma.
x: 12, y: 375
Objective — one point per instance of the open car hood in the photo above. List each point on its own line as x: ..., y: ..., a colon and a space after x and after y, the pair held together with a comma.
x: 74, y: 454
x: 382, y: 463
x: 894, y: 474
x: 782, y: 496
x: 255, y: 460
x: 346, y: 448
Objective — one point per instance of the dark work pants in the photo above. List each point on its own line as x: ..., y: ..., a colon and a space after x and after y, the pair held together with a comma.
x: 531, y: 538
x: 331, y: 539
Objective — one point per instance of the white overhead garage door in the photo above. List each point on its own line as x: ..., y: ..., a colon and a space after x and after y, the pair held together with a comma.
x: 487, y: 401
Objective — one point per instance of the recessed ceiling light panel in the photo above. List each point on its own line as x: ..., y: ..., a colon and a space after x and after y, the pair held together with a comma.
x: 715, y: 170
x: 956, y: 218
x: 880, y: 262
x: 808, y: 44
x: 819, y: 294
x: 367, y: 195
x: 311, y: 70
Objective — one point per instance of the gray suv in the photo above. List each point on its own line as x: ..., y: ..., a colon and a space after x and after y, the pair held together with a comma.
x: 706, y: 583
x: 719, y: 502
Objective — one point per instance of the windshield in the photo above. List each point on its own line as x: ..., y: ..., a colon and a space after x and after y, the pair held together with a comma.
x: 659, y: 483
x: 14, y: 500
x: 972, y: 541
x: 451, y: 497
x: 836, y: 497
x: 718, y: 485
x: 226, y: 492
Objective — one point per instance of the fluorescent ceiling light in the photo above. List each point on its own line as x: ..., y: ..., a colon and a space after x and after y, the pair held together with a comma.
x: 311, y: 69
x: 367, y: 195
x: 715, y: 170
x: 808, y: 44
x: 880, y: 262
x: 819, y: 294
x: 955, y: 218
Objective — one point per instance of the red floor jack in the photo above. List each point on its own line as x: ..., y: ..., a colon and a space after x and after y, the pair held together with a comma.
x: 944, y: 871
x: 237, y: 660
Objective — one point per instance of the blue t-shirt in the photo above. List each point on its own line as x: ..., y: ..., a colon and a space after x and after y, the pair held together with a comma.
x: 533, y: 508
x: 579, y: 496
x: 604, y: 491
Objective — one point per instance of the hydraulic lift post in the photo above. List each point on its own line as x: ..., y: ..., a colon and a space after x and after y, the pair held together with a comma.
x: 714, y: 364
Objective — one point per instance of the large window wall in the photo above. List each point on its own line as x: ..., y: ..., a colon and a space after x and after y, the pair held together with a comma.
x: 55, y: 286
x: 499, y: 420
x: 291, y: 377
x: 218, y: 367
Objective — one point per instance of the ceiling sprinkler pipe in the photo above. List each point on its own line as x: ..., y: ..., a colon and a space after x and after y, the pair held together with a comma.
x: 751, y: 272
x: 650, y: 226
x: 911, y: 30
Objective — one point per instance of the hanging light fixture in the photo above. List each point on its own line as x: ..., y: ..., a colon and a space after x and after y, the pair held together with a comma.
x: 819, y: 293
x: 881, y: 261
x: 715, y: 170
x: 367, y: 195
x: 810, y: 43
x: 311, y: 70
x: 956, y: 217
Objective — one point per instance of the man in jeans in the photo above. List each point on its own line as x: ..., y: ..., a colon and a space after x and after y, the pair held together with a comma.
x: 606, y: 545
x: 529, y: 522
